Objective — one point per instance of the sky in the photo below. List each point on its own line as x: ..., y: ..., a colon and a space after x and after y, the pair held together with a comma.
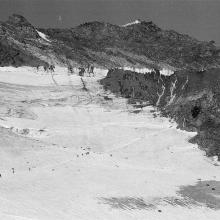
x: 198, y: 18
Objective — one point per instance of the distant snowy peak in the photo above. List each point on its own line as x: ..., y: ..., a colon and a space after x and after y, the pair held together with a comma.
x: 132, y: 23
x: 43, y: 36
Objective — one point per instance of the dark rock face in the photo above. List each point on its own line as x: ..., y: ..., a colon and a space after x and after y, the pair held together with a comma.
x: 10, y: 56
x: 16, y: 35
x: 191, y: 98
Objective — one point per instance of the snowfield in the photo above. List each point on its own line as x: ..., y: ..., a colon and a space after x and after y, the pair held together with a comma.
x: 72, y: 154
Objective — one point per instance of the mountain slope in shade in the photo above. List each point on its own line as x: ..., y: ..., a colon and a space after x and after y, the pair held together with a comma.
x: 141, y: 44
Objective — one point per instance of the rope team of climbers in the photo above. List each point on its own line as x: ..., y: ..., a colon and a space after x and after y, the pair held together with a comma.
x: 82, y: 71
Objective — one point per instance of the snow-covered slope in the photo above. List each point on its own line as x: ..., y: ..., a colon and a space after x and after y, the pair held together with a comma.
x: 85, y: 155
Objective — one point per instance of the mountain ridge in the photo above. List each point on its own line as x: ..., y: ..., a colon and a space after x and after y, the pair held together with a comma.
x: 106, y: 45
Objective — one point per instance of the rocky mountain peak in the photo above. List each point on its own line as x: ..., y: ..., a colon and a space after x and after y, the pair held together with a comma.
x: 20, y: 27
x: 149, y: 25
x: 16, y: 19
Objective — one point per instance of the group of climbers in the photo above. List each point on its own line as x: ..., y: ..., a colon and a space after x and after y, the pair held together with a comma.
x: 47, y: 68
x: 82, y: 70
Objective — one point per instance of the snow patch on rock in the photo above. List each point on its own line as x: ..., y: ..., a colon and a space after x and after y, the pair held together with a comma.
x: 164, y: 71
x: 137, y: 70
x: 43, y: 36
x: 132, y: 23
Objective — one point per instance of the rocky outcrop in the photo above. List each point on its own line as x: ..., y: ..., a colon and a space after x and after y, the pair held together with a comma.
x: 16, y: 36
x: 10, y: 55
x: 192, y: 98
x: 19, y: 27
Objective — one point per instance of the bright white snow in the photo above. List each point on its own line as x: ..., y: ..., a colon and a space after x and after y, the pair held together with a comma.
x: 138, y: 70
x: 81, y: 150
x: 132, y: 23
x: 164, y: 71
x: 43, y: 36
